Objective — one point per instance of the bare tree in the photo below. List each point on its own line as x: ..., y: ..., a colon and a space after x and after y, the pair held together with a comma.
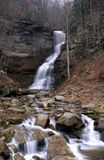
x: 67, y: 13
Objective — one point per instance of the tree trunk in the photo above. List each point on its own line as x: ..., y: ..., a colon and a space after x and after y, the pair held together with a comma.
x: 67, y: 36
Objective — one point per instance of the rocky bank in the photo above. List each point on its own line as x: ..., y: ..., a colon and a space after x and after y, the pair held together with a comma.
x: 47, y: 114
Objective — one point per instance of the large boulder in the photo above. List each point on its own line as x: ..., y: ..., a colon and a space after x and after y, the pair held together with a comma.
x: 58, y: 147
x: 15, y: 115
x: 69, y: 120
x: 42, y: 120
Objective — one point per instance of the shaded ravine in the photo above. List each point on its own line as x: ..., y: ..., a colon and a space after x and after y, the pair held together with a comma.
x: 88, y: 147
x: 44, y: 78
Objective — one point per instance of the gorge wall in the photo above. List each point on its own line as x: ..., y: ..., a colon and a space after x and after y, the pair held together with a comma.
x: 23, y: 47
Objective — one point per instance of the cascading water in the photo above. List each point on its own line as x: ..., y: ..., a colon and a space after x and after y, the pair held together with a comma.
x: 31, y: 148
x: 90, y: 146
x: 44, y: 77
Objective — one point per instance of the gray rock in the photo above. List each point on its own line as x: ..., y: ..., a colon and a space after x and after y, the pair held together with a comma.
x: 69, y: 120
x: 42, y: 120
x: 58, y: 147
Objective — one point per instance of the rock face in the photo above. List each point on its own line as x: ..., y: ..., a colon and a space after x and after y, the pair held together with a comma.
x: 23, y: 51
x: 58, y: 147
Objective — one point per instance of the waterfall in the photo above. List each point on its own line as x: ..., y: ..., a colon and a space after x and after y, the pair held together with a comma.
x: 44, y: 78
x: 90, y: 146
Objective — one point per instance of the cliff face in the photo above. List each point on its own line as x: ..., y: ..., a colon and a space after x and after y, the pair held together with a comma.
x: 23, y: 47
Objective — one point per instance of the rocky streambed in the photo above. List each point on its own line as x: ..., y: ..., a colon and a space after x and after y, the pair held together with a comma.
x: 37, y: 126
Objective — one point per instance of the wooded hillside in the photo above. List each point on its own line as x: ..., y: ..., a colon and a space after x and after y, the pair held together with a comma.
x: 82, y: 20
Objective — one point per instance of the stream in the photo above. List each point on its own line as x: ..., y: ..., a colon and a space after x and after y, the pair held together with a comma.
x: 88, y: 147
x: 35, y: 139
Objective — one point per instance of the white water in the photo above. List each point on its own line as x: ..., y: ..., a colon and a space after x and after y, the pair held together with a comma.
x: 89, y: 147
x: 30, y: 148
x: 44, y: 78
x: 89, y: 144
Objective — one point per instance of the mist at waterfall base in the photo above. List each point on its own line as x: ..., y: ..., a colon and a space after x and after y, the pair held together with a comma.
x: 44, y: 79
x: 88, y: 147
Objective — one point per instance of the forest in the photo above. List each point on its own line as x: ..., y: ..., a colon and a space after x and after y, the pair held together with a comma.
x: 51, y: 79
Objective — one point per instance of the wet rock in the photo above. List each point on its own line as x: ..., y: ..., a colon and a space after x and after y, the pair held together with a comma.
x: 17, y: 156
x: 42, y: 120
x: 69, y: 120
x: 4, y: 151
x: 101, y: 123
x: 8, y: 134
x: 39, y: 135
x: 37, y: 158
x: 63, y: 158
x: 20, y: 137
x: 94, y: 153
x: 58, y: 147
x: 14, y: 148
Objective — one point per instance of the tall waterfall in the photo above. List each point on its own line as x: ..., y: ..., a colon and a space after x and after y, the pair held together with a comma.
x: 44, y: 78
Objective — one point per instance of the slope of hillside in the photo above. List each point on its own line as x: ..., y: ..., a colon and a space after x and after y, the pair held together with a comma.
x: 87, y: 80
